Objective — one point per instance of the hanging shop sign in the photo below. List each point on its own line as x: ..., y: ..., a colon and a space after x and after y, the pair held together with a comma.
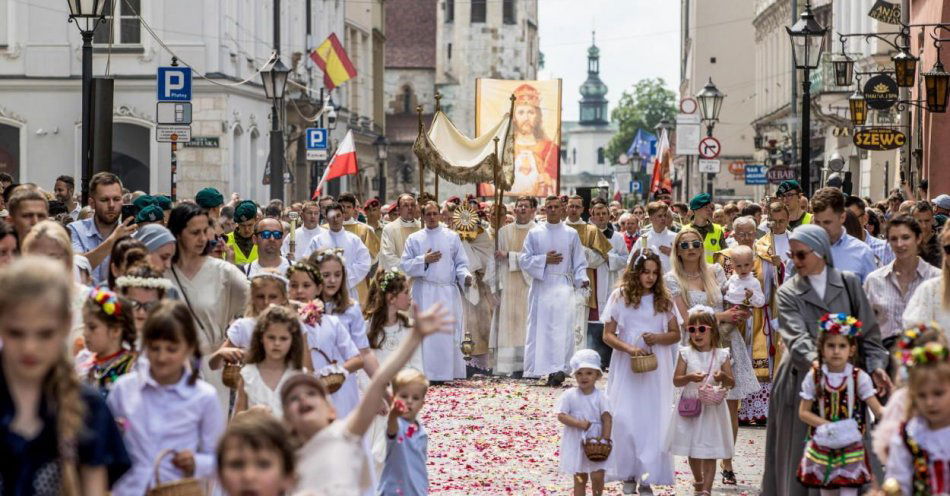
x: 779, y: 173
x: 886, y: 12
x: 880, y: 92
x: 879, y: 138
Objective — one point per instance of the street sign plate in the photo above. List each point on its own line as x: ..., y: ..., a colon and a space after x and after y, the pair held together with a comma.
x: 173, y: 134
x: 316, y: 139
x: 709, y: 148
x: 316, y: 154
x: 781, y: 173
x: 636, y: 186
x: 709, y: 166
x: 173, y: 113
x: 687, y: 134
x: 755, y: 175
x: 688, y: 105
x: 623, y: 159
x: 174, y: 84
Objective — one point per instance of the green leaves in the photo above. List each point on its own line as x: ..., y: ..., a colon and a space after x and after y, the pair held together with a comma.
x: 650, y: 102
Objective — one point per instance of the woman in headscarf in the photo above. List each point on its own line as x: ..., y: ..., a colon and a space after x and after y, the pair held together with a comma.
x: 816, y: 288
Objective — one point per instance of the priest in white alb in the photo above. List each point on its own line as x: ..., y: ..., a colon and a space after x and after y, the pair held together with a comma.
x: 435, y: 260
x: 554, y: 258
x: 355, y: 255
x: 393, y: 240
x: 508, y: 330
x: 303, y: 235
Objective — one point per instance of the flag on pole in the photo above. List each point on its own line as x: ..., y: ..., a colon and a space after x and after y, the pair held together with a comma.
x: 342, y: 164
x: 331, y: 58
x: 661, y: 165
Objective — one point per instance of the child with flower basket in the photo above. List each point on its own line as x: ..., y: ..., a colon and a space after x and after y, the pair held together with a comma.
x: 834, y: 397
x: 585, y: 441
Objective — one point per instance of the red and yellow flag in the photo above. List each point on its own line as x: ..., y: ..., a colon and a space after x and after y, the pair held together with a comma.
x: 333, y: 61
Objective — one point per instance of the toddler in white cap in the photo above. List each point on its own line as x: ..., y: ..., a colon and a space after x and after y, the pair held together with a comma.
x: 584, y: 412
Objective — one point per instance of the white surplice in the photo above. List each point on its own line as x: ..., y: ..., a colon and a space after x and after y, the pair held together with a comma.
x: 612, y: 270
x: 302, y: 239
x: 393, y: 241
x: 508, y: 326
x: 549, y: 341
x: 355, y: 255
x: 439, y: 282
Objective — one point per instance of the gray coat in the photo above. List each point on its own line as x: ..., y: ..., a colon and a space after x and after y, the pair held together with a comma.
x: 800, y: 309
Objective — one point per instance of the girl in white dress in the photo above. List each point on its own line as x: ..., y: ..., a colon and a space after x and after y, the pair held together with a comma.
x: 639, y: 320
x: 267, y: 287
x: 706, y: 437
x: 585, y: 414
x: 275, y: 353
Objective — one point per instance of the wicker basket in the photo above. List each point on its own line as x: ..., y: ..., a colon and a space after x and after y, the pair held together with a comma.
x: 597, y: 449
x: 182, y: 487
x: 231, y: 375
x: 333, y: 382
x: 643, y: 363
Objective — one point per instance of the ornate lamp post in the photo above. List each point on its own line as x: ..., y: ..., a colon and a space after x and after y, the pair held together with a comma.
x: 274, y: 77
x: 382, y: 153
x: 808, y: 41
x: 87, y: 14
x: 710, y: 104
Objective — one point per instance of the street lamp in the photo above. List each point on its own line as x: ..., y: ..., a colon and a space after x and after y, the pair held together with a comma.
x: 382, y: 153
x: 274, y: 78
x: 843, y: 68
x: 87, y: 14
x: 859, y: 108
x: 936, y: 84
x: 710, y: 104
x: 905, y: 68
x: 663, y: 124
x: 808, y: 41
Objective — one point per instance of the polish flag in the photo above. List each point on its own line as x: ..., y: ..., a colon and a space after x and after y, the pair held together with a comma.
x: 661, y: 165
x: 342, y: 164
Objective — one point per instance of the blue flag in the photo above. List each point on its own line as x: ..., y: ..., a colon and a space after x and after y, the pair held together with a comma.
x: 644, y: 145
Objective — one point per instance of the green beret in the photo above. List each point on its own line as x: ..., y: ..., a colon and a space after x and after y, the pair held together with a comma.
x: 786, y: 186
x: 699, y: 201
x: 151, y: 213
x: 144, y: 201
x: 244, y: 211
x: 209, y: 198
x: 164, y: 201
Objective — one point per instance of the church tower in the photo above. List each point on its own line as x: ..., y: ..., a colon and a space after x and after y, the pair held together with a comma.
x: 593, y: 92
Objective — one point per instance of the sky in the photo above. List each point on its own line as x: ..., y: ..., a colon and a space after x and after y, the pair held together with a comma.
x: 638, y: 39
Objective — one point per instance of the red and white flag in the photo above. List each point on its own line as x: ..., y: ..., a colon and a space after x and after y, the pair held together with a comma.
x: 342, y: 164
x: 661, y: 165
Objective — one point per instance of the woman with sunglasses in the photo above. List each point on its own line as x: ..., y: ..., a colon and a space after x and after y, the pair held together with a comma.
x: 694, y: 282
x: 816, y: 288
x: 931, y: 301
x: 214, y: 290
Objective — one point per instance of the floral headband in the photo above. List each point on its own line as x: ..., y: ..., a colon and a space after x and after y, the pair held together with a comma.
x: 928, y: 353
x: 304, y: 267
x: 272, y: 275
x: 334, y: 252
x: 645, y: 252
x: 143, y: 282
x: 698, y: 309
x: 108, y: 301
x: 840, y: 323
x: 390, y: 276
x: 905, y: 343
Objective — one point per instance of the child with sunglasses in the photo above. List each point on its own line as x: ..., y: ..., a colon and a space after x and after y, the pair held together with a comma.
x: 704, y: 436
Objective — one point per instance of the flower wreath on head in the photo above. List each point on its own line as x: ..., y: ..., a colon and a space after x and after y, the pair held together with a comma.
x: 928, y: 353
x: 905, y: 342
x: 337, y: 252
x: 644, y: 253
x: 108, y: 301
x: 143, y: 282
x: 840, y: 323
x: 698, y: 309
x: 391, y: 275
x: 272, y: 275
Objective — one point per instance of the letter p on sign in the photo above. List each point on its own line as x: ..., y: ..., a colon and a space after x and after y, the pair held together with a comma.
x: 174, y: 84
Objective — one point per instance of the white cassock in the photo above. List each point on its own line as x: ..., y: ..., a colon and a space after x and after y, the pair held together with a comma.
x: 355, y: 255
x: 612, y: 270
x: 393, y: 241
x: 508, y: 324
x: 439, y: 282
x: 549, y: 341
x: 302, y: 239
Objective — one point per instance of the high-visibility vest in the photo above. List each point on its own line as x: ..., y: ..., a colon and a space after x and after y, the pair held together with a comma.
x: 239, y: 257
x: 711, y: 243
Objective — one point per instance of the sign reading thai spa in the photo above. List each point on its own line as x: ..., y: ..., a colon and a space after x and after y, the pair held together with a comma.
x: 880, y: 92
x: 879, y: 138
x: 886, y: 12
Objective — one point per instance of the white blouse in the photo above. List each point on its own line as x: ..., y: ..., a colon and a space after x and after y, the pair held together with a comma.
x: 927, y: 306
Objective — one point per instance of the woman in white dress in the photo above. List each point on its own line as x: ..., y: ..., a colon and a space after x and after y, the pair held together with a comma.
x: 703, y: 283
x: 705, y: 437
x: 638, y: 320
x: 931, y: 301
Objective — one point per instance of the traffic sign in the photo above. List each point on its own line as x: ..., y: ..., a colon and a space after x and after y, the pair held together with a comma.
x: 316, y: 139
x: 687, y: 134
x: 755, y: 175
x: 623, y: 159
x: 173, y: 134
x: 173, y: 113
x: 635, y: 186
x: 709, y: 148
x: 174, y: 84
x: 709, y: 166
x: 688, y: 105
x: 316, y: 154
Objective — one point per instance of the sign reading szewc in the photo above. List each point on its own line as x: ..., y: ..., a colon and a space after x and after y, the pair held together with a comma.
x: 879, y: 138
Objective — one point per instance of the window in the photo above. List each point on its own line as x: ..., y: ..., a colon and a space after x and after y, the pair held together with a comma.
x: 406, y: 100
x: 600, y: 155
x: 449, y: 10
x: 4, y: 18
x: 508, y: 11
x: 479, y: 10
x: 127, y: 31
x: 450, y: 51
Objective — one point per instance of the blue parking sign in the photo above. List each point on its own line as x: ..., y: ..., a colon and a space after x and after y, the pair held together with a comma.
x: 316, y: 138
x: 174, y: 84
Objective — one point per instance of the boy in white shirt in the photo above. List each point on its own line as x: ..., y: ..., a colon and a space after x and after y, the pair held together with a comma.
x: 658, y: 239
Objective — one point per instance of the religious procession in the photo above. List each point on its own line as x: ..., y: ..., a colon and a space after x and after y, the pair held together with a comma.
x: 441, y: 279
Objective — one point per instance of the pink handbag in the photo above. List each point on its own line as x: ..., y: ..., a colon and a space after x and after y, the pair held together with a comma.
x: 692, y: 407
x: 689, y: 407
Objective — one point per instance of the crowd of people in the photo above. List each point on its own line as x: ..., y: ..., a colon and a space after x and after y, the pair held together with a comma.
x: 228, y: 347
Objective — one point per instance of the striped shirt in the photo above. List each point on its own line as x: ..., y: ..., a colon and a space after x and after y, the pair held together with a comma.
x: 880, y: 248
x: 887, y: 301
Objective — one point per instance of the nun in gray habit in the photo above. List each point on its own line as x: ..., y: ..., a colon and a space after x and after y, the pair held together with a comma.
x: 816, y: 288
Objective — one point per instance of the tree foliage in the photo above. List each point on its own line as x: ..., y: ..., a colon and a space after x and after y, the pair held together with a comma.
x: 644, y: 108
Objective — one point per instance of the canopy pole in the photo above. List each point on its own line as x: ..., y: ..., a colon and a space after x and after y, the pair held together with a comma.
x: 421, y: 165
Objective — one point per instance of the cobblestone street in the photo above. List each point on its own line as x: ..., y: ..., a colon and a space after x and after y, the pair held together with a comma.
x: 491, y: 436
